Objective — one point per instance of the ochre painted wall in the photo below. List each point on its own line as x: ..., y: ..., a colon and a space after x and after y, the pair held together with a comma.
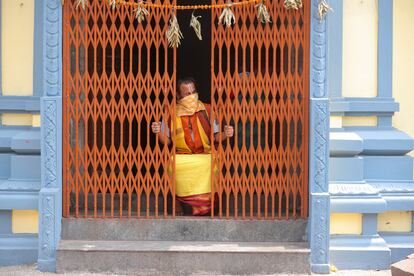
x: 403, y: 58
x: 17, y: 34
x: 395, y: 221
x: 25, y: 221
x: 13, y: 119
x: 359, y: 121
x: 360, y: 39
x: 346, y: 224
x: 346, y: 121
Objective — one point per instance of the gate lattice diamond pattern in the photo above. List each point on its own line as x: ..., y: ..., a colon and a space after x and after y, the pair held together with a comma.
x: 260, y: 85
x: 119, y: 76
x: 112, y: 162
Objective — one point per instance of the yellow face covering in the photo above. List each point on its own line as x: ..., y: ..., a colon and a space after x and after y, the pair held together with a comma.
x: 189, y: 105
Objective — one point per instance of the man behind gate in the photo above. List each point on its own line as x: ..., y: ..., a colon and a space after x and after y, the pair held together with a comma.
x: 193, y: 146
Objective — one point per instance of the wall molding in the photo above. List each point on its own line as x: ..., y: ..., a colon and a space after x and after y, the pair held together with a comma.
x: 385, y: 48
x: 319, y: 145
x: 50, y: 197
x: 363, y: 106
x: 22, y: 245
x: 19, y: 104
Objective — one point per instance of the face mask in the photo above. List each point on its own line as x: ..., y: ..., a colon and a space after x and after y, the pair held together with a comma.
x: 190, y: 102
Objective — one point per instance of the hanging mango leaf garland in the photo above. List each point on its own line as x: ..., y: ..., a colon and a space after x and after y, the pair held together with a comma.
x: 140, y: 12
x: 293, y: 4
x: 82, y: 3
x: 323, y: 9
x: 112, y: 3
x: 173, y: 33
x: 196, y: 25
x: 262, y: 13
x: 228, y: 16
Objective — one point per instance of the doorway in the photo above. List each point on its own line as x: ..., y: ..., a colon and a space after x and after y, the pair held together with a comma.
x: 194, y: 55
x: 119, y: 76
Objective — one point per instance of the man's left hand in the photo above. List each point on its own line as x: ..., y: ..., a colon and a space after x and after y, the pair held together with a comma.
x: 229, y: 131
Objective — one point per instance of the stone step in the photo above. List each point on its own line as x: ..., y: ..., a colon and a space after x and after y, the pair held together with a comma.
x: 185, y: 229
x: 182, y: 258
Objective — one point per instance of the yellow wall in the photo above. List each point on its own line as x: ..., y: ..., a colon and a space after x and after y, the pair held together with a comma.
x: 359, y: 121
x: 360, y: 37
x: 11, y: 119
x: 403, y: 59
x: 25, y: 221
x: 36, y: 120
x: 17, y: 34
x: 346, y: 121
x: 395, y: 221
x: 346, y: 224
x: 335, y: 122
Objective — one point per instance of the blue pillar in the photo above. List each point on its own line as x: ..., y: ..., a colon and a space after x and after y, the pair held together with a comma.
x: 50, y: 198
x: 319, y: 146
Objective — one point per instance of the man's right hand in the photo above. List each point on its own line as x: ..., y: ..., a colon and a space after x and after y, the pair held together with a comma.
x: 156, y: 127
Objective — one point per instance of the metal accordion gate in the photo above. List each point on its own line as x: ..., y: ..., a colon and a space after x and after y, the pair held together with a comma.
x: 119, y: 76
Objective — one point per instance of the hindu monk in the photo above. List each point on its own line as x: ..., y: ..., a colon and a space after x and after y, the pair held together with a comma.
x: 193, y: 147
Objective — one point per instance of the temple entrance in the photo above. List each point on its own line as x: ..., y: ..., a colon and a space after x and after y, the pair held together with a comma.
x: 119, y: 76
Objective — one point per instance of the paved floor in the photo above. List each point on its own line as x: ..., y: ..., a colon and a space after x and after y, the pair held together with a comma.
x: 30, y: 270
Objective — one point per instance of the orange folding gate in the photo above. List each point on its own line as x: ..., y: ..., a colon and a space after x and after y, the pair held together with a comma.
x: 119, y: 76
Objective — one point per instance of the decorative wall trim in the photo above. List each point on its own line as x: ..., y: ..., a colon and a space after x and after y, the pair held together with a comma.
x: 50, y: 198
x: 363, y: 106
x: 52, y: 47
x: 24, y: 246
x: 19, y: 185
x: 6, y: 222
x: 360, y: 252
x: 319, y: 146
x: 320, y: 216
x: 37, y: 51
x: 353, y: 141
x: 21, y: 139
x: 19, y: 104
x: 385, y: 42
x: 21, y: 200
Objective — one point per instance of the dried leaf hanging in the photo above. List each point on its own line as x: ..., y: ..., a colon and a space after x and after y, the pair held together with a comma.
x: 323, y: 9
x: 196, y: 25
x: 262, y: 13
x: 174, y: 34
x: 140, y: 12
x: 227, y: 16
x: 112, y: 3
x: 82, y: 3
x: 293, y: 4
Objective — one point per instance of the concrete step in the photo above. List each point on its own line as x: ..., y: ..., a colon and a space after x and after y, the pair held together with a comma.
x: 182, y: 257
x: 185, y: 229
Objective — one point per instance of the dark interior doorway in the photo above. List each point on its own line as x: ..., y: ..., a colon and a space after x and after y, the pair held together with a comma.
x: 194, y: 55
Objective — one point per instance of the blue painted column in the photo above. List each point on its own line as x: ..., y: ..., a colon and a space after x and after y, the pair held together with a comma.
x: 50, y: 198
x: 319, y: 146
